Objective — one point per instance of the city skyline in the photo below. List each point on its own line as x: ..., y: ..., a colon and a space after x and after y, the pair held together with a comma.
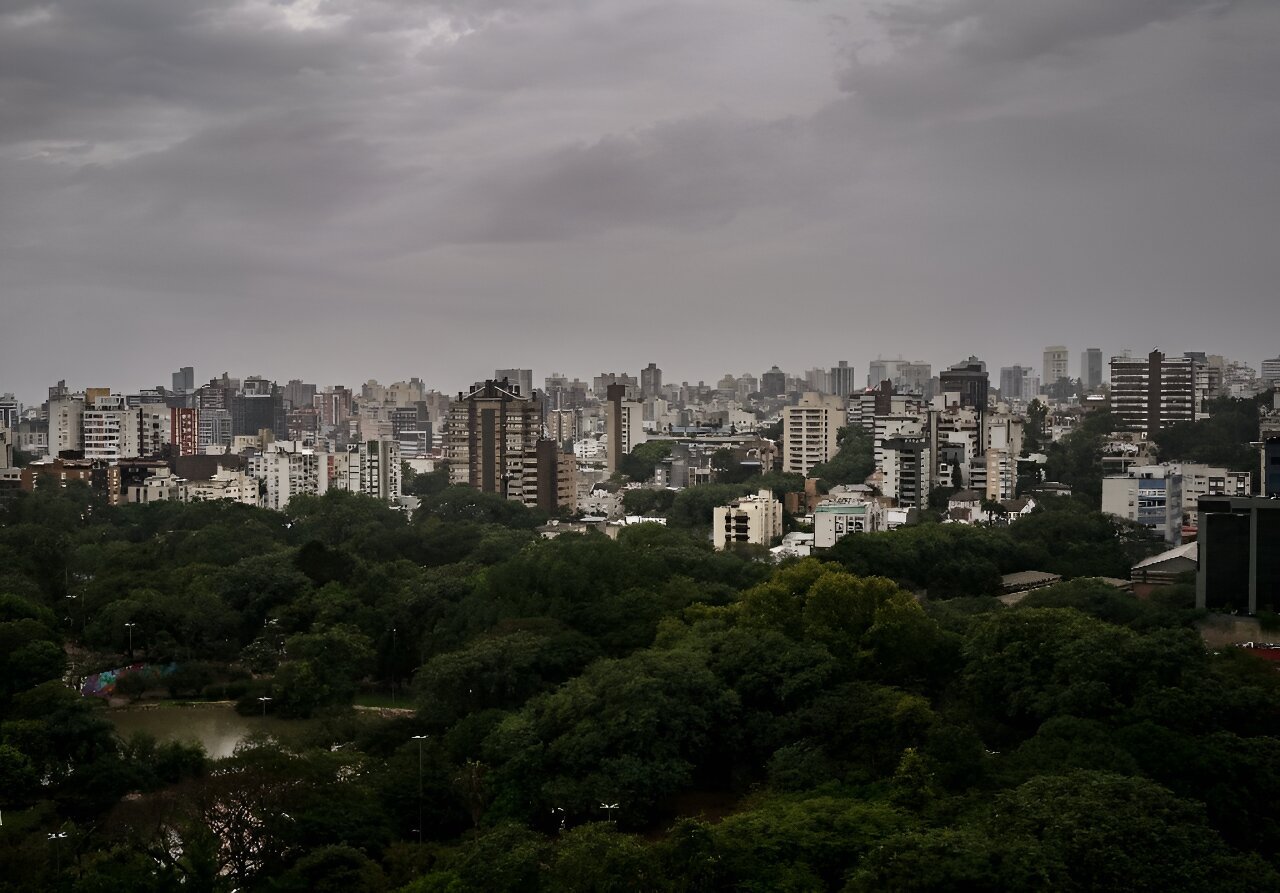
x: 344, y: 190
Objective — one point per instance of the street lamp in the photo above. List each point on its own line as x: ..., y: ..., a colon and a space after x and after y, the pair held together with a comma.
x: 393, y: 667
x: 264, y: 699
x: 129, y: 626
x: 419, y: 739
x: 609, y: 808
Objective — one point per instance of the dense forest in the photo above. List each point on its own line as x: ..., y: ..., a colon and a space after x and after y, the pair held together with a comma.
x: 639, y: 714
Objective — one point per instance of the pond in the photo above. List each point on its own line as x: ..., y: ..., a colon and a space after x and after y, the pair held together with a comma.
x: 215, y: 726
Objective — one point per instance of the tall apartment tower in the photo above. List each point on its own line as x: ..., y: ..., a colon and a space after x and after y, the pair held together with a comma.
x: 1091, y: 368
x: 650, y: 381
x: 623, y: 423
x: 1055, y: 364
x: 1152, y: 392
x: 489, y: 431
x: 809, y: 431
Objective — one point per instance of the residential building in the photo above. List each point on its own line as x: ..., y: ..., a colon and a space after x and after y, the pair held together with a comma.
x: 965, y: 384
x: 809, y: 431
x: 184, y: 380
x: 548, y: 478
x: 110, y: 430
x: 66, y: 421
x: 1150, y: 393
x: 1011, y: 381
x: 1148, y: 495
x: 624, y: 424
x: 836, y: 518
x: 1055, y: 365
x: 289, y: 469
x: 10, y: 412
x: 906, y: 470
x: 1271, y: 467
x: 184, y: 430
x: 373, y: 469
x: 488, y: 432
x: 259, y: 406
x: 1270, y: 372
x: 600, y: 385
x: 750, y: 519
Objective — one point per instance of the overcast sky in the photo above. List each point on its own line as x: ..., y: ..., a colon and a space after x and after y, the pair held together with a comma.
x: 344, y: 189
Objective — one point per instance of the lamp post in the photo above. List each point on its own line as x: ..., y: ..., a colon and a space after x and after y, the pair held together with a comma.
x: 393, y: 667
x: 264, y: 699
x: 419, y: 739
x: 129, y: 626
x: 609, y: 808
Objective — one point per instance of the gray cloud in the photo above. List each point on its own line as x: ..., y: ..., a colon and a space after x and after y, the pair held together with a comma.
x: 352, y: 188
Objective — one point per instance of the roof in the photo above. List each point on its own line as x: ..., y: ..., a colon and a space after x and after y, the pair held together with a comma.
x: 1190, y: 551
x: 965, y: 496
x: 1027, y: 580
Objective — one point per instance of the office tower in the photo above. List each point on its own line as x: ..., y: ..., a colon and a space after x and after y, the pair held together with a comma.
x: 298, y: 394
x: 1091, y: 368
x: 844, y: 380
x: 489, y: 430
x: 809, y: 431
x: 600, y: 385
x: 520, y: 378
x: 966, y: 384
x: 1150, y: 393
x: 773, y: 383
x: 1011, y: 379
x: 1055, y: 364
x: 184, y: 379
x: 650, y: 381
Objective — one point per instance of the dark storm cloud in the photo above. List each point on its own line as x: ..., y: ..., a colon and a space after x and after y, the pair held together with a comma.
x: 818, y: 180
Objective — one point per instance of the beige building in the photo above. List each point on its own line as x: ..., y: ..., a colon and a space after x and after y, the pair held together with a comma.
x: 623, y: 424
x: 750, y: 519
x: 809, y: 431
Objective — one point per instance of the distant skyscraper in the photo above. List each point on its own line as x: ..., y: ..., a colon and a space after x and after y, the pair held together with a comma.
x: 521, y: 378
x: 650, y: 381
x: 1091, y: 368
x: 184, y: 379
x: 1055, y: 364
x: 844, y: 380
x: 1011, y: 378
x: 773, y: 383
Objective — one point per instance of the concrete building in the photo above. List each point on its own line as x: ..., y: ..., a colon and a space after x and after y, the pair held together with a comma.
x: 773, y: 383
x: 809, y: 432
x: 66, y: 421
x: 1055, y: 365
x: 1239, y: 565
x: 650, y: 381
x: 1269, y: 372
x: 1148, y: 495
x: 1011, y: 381
x: 906, y: 470
x: 750, y: 519
x: 110, y: 430
x: 836, y: 518
x: 287, y: 470
x: 373, y: 469
x: 624, y: 424
x: 1091, y: 368
x: 1271, y: 467
x: 844, y: 379
x: 907, y: 376
x: 489, y: 431
x: 965, y: 384
x: 1150, y: 393
x: 518, y: 378
x: 10, y: 412
x: 548, y: 478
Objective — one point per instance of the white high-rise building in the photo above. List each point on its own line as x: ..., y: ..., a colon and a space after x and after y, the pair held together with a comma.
x: 809, y: 431
x: 110, y: 430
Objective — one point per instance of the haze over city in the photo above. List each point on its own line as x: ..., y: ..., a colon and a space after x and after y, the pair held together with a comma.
x: 340, y: 191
